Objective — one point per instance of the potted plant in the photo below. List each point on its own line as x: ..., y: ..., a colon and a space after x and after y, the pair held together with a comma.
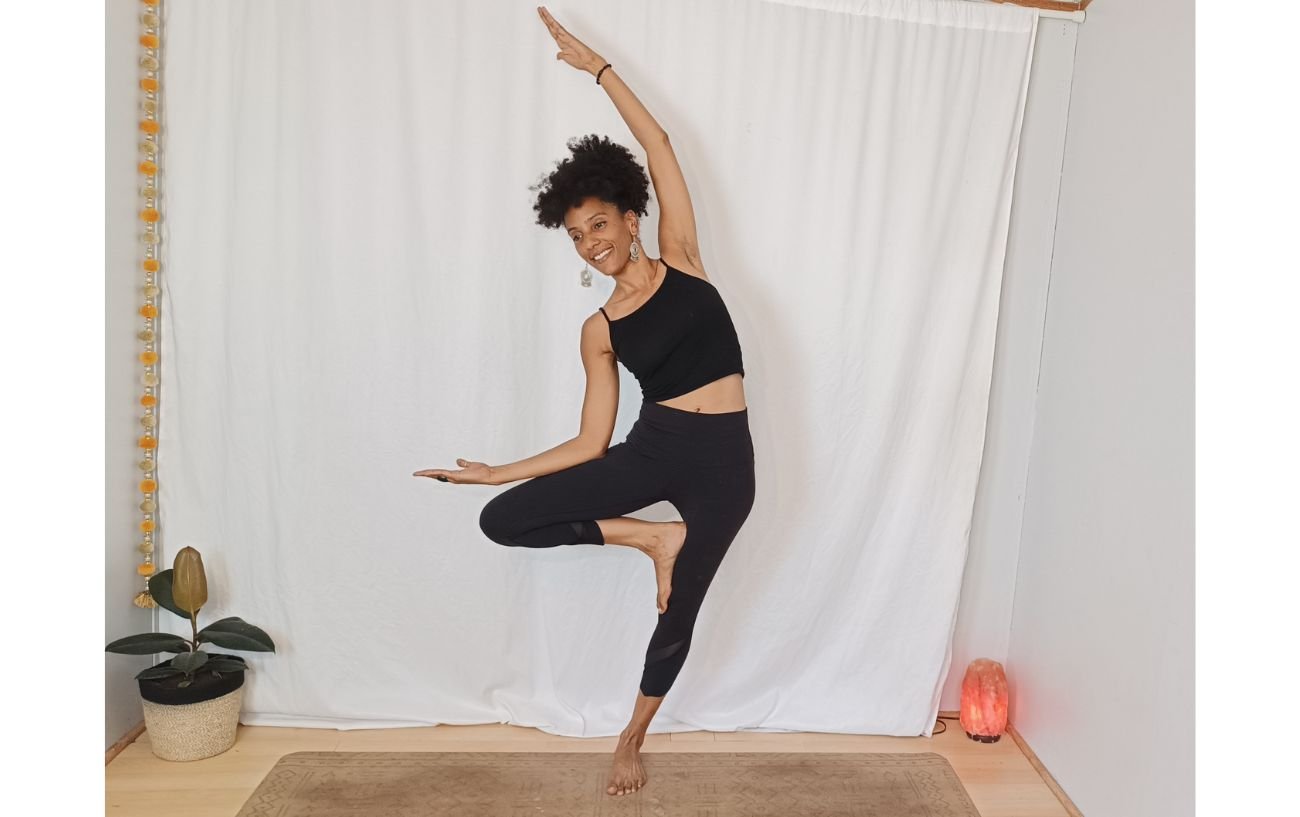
x: 192, y: 701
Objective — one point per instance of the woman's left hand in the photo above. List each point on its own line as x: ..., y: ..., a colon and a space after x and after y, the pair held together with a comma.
x: 471, y: 472
x: 572, y: 50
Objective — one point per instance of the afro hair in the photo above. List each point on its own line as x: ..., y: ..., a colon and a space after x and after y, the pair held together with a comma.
x: 597, y: 167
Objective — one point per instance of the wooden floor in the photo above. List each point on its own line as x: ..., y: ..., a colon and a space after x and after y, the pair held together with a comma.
x: 999, y: 777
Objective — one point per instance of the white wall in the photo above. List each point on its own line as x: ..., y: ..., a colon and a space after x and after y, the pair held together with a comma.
x: 988, y: 585
x: 122, y: 281
x: 1101, y: 650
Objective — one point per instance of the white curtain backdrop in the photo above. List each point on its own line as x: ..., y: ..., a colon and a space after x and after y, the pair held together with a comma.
x: 354, y: 289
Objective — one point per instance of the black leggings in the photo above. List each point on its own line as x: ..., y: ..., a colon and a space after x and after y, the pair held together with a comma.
x: 702, y: 463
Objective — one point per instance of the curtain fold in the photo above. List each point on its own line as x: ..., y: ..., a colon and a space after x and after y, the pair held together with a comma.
x: 354, y: 288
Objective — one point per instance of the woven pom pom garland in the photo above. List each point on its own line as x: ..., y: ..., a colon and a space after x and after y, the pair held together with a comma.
x: 150, y: 213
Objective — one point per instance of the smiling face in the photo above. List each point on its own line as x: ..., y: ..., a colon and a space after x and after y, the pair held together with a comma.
x: 596, y: 228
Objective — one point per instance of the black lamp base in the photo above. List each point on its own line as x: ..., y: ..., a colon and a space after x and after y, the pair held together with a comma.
x: 984, y: 738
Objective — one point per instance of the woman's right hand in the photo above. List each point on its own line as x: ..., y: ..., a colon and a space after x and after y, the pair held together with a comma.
x: 477, y: 473
x: 572, y: 50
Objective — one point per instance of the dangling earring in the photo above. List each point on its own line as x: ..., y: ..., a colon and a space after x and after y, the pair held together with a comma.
x: 634, y: 251
x: 586, y: 276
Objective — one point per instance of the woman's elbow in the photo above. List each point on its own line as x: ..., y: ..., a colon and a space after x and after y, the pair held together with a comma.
x: 597, y: 449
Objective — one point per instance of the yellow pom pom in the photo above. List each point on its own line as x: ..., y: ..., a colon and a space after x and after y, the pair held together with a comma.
x: 146, y: 525
x: 148, y: 442
x: 148, y: 168
x: 148, y: 358
x: 149, y: 40
x: 145, y: 569
x: 152, y: 265
x: 149, y: 126
x: 148, y: 486
x: 149, y: 215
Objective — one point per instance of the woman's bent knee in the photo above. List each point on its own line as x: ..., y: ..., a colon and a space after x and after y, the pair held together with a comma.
x: 495, y: 524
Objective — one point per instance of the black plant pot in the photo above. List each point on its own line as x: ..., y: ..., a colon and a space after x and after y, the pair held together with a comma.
x: 205, y: 687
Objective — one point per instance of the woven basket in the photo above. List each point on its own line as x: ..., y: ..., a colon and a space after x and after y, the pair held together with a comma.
x: 193, y: 731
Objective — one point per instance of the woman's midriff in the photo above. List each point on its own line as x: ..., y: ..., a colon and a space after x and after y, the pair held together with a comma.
x: 722, y: 395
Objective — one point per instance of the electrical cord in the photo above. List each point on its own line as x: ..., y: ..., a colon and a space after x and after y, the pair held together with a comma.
x: 940, y: 722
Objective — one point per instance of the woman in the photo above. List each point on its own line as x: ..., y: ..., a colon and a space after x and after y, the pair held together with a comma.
x: 690, y: 444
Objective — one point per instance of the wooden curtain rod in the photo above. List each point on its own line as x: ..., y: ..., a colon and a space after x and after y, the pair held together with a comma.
x: 1049, y: 5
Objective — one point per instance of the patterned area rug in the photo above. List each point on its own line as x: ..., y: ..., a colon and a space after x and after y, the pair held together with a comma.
x: 572, y: 784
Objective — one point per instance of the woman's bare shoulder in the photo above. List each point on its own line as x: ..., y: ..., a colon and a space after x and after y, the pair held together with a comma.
x: 595, y: 335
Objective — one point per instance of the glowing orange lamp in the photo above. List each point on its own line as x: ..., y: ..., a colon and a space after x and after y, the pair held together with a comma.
x: 984, y: 701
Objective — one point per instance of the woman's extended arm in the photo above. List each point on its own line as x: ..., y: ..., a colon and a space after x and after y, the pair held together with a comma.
x: 565, y: 455
x: 574, y: 52
x: 643, y: 126
x: 677, y: 234
x: 599, y: 407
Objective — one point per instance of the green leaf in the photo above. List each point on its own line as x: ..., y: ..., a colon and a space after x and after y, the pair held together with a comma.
x: 148, y: 644
x: 190, y: 661
x: 226, y: 665
x: 234, y: 633
x: 158, y: 672
x: 160, y: 587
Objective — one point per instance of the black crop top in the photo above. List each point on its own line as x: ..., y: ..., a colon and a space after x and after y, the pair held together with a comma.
x: 680, y: 339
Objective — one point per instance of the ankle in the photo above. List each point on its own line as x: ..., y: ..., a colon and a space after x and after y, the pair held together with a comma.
x: 652, y: 540
x: 663, y: 532
x: 631, y: 738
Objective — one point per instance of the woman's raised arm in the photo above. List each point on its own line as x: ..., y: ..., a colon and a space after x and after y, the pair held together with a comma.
x: 677, y: 233
x: 576, y: 53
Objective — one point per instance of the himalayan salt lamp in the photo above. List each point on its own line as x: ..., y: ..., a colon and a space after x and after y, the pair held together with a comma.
x: 984, y: 701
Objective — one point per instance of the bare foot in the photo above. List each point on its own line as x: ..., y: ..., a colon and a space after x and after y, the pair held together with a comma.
x: 663, y: 550
x: 627, y: 774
